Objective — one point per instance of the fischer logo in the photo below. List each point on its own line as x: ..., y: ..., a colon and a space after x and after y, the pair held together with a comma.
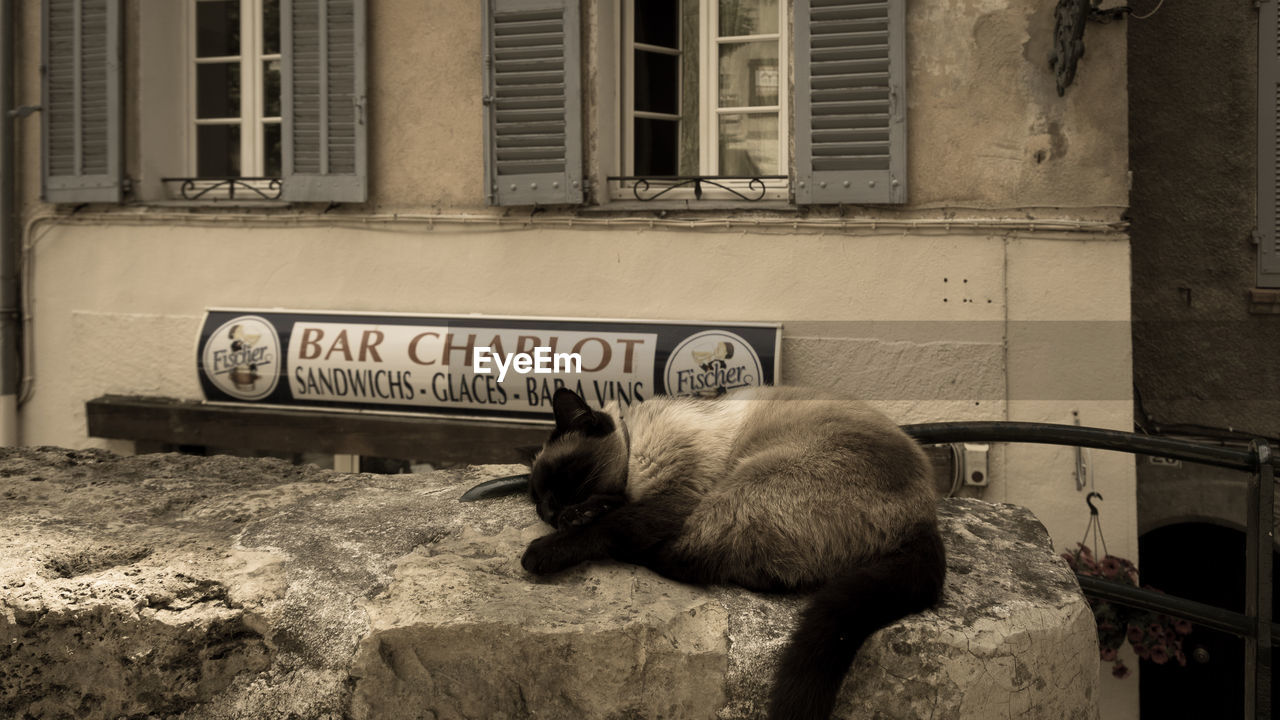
x: 711, y: 363
x: 241, y: 358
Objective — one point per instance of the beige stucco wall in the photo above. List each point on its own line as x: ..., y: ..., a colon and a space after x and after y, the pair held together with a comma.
x: 880, y: 316
x: 986, y: 127
x: 1000, y: 292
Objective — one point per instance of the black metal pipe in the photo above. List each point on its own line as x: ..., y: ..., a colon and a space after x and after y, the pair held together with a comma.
x: 1053, y: 434
x: 10, y: 303
x: 1208, y: 616
x: 1257, y: 599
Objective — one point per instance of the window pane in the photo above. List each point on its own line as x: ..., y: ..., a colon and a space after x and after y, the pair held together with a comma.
x: 271, y: 88
x: 655, y: 147
x: 748, y: 17
x: 658, y: 22
x: 749, y: 144
x: 218, y: 151
x: 217, y: 28
x: 748, y: 74
x: 218, y: 90
x: 270, y: 27
x: 271, y: 163
x: 657, y: 82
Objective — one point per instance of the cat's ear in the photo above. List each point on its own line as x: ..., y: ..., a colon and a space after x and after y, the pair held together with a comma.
x: 573, y: 414
x: 570, y: 409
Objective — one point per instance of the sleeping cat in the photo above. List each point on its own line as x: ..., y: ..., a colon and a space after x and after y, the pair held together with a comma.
x: 773, y: 489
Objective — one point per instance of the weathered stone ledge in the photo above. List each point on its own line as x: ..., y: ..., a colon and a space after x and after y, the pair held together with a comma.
x: 202, y: 588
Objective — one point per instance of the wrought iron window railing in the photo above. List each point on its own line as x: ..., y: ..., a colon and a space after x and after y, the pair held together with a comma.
x: 652, y: 187
x: 249, y: 188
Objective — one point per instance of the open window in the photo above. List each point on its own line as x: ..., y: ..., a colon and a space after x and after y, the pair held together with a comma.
x: 738, y: 100
x: 233, y: 69
x: 702, y: 109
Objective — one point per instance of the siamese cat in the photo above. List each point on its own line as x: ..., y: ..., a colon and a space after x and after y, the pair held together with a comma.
x: 770, y: 488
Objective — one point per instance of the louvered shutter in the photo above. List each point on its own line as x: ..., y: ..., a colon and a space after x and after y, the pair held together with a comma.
x: 1268, y: 149
x: 533, y: 103
x: 323, y: 92
x: 82, y: 101
x: 850, y: 103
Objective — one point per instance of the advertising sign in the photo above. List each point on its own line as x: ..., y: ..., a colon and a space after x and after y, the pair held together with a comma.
x: 471, y: 366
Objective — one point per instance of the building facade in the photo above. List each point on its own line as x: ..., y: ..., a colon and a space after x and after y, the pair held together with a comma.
x: 900, y: 184
x: 1206, y: 321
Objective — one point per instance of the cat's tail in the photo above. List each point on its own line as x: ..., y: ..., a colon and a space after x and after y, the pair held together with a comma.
x: 844, y: 613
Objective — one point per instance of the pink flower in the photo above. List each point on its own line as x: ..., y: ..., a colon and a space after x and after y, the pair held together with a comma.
x: 1111, y: 567
x: 1159, y: 655
x: 1135, y: 634
x: 1181, y: 626
x: 1119, y: 670
x: 1108, y: 654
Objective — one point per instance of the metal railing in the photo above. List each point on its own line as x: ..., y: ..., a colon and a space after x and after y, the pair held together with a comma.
x: 1255, y: 624
x: 652, y: 187
x: 250, y: 188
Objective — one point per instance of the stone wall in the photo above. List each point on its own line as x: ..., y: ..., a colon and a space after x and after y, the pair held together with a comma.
x: 1200, y: 357
x: 201, y: 588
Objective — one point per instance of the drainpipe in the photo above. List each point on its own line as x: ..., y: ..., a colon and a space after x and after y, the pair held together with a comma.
x: 10, y: 372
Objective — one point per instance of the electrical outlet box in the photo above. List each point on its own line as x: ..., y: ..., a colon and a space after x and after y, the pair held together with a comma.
x: 973, y: 458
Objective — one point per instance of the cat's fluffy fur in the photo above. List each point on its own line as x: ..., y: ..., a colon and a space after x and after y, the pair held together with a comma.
x: 768, y: 488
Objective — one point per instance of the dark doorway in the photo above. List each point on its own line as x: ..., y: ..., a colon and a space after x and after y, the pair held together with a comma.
x: 1203, y: 562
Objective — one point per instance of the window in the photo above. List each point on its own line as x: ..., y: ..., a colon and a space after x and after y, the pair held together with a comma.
x: 800, y: 100
x: 235, y: 81
x: 221, y: 89
x: 701, y: 89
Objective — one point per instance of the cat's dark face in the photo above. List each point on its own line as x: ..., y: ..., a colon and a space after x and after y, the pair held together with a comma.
x: 580, y: 459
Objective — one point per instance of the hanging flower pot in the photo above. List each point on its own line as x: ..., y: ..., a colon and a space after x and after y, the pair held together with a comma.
x: 1154, y: 636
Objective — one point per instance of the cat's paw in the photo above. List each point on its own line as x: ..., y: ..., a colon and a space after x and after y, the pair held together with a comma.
x: 588, y: 510
x: 545, y: 556
x: 581, y: 514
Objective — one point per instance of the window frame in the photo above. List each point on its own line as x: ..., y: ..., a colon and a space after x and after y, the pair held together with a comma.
x: 629, y: 186
x: 710, y: 110
x: 252, y: 118
x: 629, y: 46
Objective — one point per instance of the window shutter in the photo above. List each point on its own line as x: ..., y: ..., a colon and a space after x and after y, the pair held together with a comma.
x: 325, y: 143
x: 850, y: 104
x: 1268, y: 158
x: 82, y: 101
x: 533, y: 102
